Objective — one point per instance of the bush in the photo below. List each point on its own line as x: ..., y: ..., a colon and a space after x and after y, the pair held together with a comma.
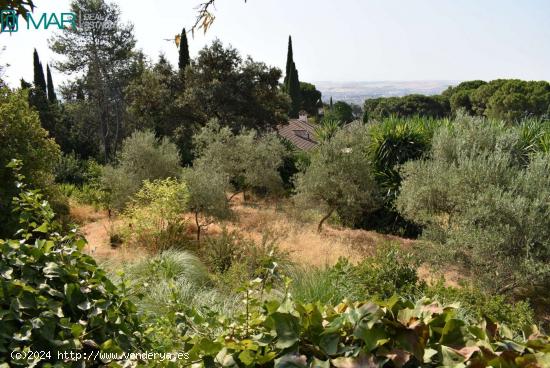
x: 483, y: 207
x: 476, y: 304
x: 53, y: 297
x: 207, y: 198
x: 250, y: 161
x: 154, y: 214
x: 71, y: 169
x: 23, y: 138
x: 339, y: 177
x: 142, y: 157
x: 394, y: 333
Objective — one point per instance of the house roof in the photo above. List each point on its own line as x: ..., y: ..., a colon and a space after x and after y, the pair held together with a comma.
x: 299, y: 133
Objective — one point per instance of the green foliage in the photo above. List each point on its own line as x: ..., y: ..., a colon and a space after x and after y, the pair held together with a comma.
x: 483, y: 205
x: 327, y: 129
x: 475, y: 304
x: 104, y: 61
x: 24, y: 139
x: 55, y: 298
x: 407, y: 106
x: 155, y: 214
x: 207, y: 198
x: 311, y: 98
x: 339, y: 177
x: 142, y: 157
x: 341, y: 112
x: 250, y: 161
x: 292, y: 84
x: 184, y: 59
x: 240, y: 94
x: 71, y: 169
x: 394, y: 333
x: 502, y: 99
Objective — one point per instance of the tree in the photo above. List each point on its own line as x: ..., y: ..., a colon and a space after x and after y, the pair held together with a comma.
x: 292, y: 82
x: 23, y: 139
x: 206, y: 196
x: 311, y: 98
x: 142, y: 157
x: 103, y: 56
x: 184, y: 59
x: 339, y: 177
x: 240, y: 94
x: 482, y: 205
x: 406, y: 106
x: 39, y: 80
x: 250, y: 161
x: 52, y: 98
x: 341, y: 112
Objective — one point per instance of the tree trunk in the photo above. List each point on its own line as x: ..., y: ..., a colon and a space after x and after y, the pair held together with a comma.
x: 320, y: 227
x: 198, y: 227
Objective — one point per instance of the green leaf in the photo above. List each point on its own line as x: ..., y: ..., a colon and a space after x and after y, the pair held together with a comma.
x: 287, y: 327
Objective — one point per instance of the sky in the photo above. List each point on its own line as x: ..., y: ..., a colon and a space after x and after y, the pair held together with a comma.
x: 343, y: 40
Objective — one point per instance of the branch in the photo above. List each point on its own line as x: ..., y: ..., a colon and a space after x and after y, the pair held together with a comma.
x: 205, y: 18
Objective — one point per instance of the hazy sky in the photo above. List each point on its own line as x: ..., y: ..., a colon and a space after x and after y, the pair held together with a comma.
x: 344, y: 40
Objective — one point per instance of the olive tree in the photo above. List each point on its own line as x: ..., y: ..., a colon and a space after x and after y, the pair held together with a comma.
x: 142, y: 157
x: 482, y: 205
x: 206, y: 196
x: 250, y: 161
x: 340, y: 177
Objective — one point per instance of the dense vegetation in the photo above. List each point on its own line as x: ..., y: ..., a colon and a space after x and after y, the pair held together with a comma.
x: 166, y: 153
x: 502, y: 99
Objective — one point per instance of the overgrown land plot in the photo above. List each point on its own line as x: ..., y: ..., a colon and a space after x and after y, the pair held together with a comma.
x: 221, y: 210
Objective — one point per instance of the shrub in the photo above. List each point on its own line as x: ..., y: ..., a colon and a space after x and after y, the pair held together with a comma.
x: 339, y: 177
x: 142, y: 157
x: 23, y: 138
x: 394, y: 333
x: 155, y: 213
x: 250, y: 161
x: 482, y: 206
x: 207, y: 198
x: 53, y: 297
x: 476, y: 304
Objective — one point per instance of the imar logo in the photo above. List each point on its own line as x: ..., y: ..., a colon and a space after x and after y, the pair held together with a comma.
x: 9, y: 20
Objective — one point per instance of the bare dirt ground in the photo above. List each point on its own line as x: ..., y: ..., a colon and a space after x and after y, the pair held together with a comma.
x: 254, y: 220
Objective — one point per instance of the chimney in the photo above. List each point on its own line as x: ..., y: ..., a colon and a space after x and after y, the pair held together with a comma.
x: 302, y: 116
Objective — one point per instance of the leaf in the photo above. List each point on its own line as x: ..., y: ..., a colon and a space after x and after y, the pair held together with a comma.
x: 372, y: 337
x: 329, y: 343
x: 291, y: 361
x: 85, y: 305
x: 287, y: 328
x: 247, y: 357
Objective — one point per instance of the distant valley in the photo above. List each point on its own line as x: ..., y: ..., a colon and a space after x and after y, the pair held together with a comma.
x: 357, y: 92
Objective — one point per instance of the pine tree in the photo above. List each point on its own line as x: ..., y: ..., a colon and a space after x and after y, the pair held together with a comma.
x: 39, y: 80
x: 184, y: 59
x: 51, y: 90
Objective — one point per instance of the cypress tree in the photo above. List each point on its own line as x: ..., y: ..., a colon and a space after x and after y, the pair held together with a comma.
x: 292, y: 82
x: 51, y: 90
x: 330, y: 103
x: 184, y: 59
x: 289, y: 60
x: 293, y: 89
x: 39, y: 80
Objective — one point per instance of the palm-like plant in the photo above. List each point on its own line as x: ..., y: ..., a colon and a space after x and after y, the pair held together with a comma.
x: 327, y: 129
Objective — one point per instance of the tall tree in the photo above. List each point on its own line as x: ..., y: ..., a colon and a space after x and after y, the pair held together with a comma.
x: 39, y: 80
x: 52, y: 98
x: 292, y: 82
x: 104, y: 58
x: 184, y: 59
x: 289, y: 60
x: 293, y: 90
